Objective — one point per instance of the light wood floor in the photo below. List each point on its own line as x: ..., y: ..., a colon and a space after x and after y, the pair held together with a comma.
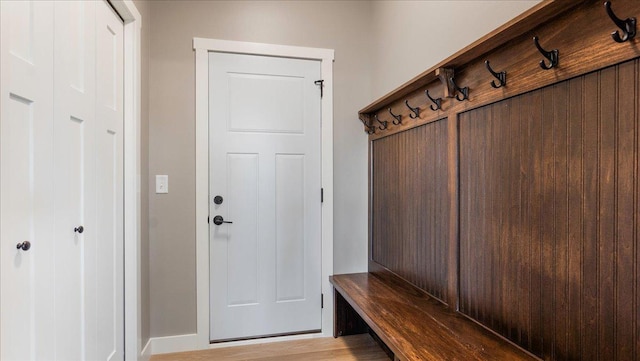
x: 349, y: 348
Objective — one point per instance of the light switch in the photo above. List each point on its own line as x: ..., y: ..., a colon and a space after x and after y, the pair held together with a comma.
x: 162, y: 183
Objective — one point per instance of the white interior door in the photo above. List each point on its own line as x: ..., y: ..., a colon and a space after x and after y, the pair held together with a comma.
x: 62, y: 165
x: 264, y: 121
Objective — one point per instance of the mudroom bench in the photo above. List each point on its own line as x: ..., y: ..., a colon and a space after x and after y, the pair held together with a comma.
x: 412, y: 324
x: 503, y: 196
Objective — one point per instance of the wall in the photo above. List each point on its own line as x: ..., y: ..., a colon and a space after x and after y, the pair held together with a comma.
x: 144, y: 9
x: 340, y: 25
x: 406, y: 44
x: 377, y: 48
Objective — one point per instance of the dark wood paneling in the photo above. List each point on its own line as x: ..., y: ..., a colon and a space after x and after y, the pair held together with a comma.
x: 411, y: 206
x: 549, y: 217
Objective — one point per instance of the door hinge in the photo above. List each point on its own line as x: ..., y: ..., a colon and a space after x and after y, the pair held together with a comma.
x: 321, y: 83
x: 322, y: 300
x: 321, y: 195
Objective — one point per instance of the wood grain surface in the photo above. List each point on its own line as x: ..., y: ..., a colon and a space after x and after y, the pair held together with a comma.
x: 416, y: 326
x: 549, y: 217
x: 410, y: 219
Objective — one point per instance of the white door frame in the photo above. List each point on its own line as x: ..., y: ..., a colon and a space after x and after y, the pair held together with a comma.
x: 202, y: 48
x: 132, y: 218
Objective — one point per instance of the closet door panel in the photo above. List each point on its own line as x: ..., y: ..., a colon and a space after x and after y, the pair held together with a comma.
x: 26, y: 85
x: 74, y: 175
x: 108, y: 311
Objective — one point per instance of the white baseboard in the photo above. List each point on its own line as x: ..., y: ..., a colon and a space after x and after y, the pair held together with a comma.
x: 145, y: 354
x: 178, y: 343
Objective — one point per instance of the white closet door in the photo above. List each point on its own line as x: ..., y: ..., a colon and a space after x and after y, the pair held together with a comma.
x: 61, y: 169
x: 26, y: 189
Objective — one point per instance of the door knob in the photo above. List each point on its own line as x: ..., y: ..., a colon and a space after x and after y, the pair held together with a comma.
x: 217, y: 199
x: 218, y: 220
x: 24, y: 245
x: 79, y: 229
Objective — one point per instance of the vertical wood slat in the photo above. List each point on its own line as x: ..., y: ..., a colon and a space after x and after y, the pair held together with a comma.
x: 411, y: 206
x: 549, y: 217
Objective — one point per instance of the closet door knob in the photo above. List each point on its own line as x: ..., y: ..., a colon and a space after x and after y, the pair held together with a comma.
x: 79, y: 229
x: 24, y: 245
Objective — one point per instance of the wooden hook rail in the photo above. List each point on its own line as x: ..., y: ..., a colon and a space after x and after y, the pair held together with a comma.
x: 509, y: 48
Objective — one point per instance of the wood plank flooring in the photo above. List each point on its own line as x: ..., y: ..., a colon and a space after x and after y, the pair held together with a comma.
x: 349, y: 348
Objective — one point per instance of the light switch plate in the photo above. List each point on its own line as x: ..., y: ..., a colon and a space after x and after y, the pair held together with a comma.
x: 162, y: 183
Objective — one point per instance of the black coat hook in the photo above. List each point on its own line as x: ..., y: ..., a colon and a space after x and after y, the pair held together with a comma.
x: 627, y: 26
x: 384, y: 124
x: 553, y: 55
x: 415, y: 111
x: 398, y: 118
x: 370, y: 129
x: 501, y: 76
x: 437, y: 102
x: 464, y: 91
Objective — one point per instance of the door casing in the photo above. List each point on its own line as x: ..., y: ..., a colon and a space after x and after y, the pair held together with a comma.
x: 133, y: 348
x: 202, y: 47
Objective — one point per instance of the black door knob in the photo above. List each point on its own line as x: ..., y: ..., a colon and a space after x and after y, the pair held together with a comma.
x: 24, y: 245
x: 217, y: 199
x: 79, y: 229
x: 218, y: 220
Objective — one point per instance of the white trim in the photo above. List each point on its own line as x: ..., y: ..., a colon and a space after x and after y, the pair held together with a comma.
x: 145, y: 354
x: 284, y: 51
x: 202, y: 191
x: 132, y: 80
x: 171, y: 344
x: 202, y: 47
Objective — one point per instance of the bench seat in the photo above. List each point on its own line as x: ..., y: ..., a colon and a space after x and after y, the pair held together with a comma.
x: 412, y: 324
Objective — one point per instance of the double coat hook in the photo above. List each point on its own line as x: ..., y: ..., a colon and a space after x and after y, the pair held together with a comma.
x: 501, y: 76
x: 397, y: 118
x: 464, y: 91
x: 415, y: 111
x: 436, y: 102
x: 553, y: 56
x: 628, y: 26
x: 384, y: 124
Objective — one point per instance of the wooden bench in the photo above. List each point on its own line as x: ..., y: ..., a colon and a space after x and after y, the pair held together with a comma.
x: 412, y: 324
